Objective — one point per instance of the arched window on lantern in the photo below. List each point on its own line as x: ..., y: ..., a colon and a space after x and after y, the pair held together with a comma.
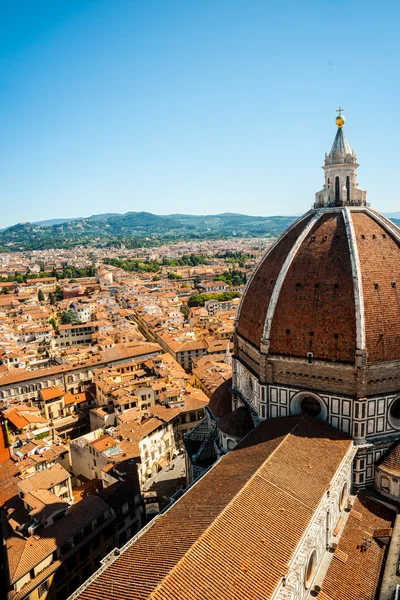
x: 337, y: 191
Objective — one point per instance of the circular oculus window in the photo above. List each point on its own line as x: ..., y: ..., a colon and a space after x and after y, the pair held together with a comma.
x: 311, y: 568
x: 394, y: 413
x: 310, y: 406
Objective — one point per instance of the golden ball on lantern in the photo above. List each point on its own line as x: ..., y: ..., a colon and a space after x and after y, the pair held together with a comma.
x: 340, y: 121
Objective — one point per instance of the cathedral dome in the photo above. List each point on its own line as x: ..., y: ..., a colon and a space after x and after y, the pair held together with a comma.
x: 328, y: 288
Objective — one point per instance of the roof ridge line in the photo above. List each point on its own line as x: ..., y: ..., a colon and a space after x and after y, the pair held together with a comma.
x: 357, y: 280
x: 283, y: 490
x: 385, y: 222
x: 265, y: 340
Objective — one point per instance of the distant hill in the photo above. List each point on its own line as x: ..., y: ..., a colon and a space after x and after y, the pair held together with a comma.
x: 55, y: 221
x: 136, y: 229
x: 139, y: 229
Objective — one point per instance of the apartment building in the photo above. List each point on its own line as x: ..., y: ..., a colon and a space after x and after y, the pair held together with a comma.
x: 82, y: 310
x: 73, y: 335
x: 22, y: 385
x: 183, y: 349
x: 67, y: 413
x: 51, y: 545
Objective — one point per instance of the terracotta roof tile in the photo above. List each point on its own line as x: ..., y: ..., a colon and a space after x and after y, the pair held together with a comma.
x: 52, y: 393
x: 358, y: 577
x: 318, y: 280
x: 270, y: 485
x: 45, y: 479
x: 221, y: 400
x: 254, y: 308
x: 17, y: 420
x: 379, y: 255
x: 391, y: 463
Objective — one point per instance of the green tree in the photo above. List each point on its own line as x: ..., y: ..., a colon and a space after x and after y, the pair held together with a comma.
x: 52, y: 299
x: 185, y: 310
x: 201, y: 299
x: 68, y: 317
x: 59, y: 292
x: 8, y: 434
x: 40, y: 436
x: 5, y: 290
x: 40, y: 295
x: 54, y: 325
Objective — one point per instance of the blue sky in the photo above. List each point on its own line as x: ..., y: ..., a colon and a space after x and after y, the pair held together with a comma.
x: 194, y: 106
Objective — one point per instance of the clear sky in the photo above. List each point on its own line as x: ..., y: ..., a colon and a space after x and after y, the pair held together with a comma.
x: 194, y: 106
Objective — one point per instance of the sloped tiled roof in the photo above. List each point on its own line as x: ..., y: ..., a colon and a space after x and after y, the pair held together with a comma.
x: 358, y: 577
x: 391, y: 463
x: 17, y: 420
x: 45, y: 479
x: 233, y: 533
x: 25, y: 553
x: 52, y: 393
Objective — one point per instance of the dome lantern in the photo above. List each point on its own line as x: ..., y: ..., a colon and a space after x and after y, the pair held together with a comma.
x: 341, y: 187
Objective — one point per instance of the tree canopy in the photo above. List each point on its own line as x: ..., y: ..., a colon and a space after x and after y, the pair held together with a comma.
x: 201, y: 299
x: 68, y: 317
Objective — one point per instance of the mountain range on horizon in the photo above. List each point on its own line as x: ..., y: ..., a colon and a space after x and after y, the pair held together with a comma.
x: 102, y: 216
x: 138, y: 229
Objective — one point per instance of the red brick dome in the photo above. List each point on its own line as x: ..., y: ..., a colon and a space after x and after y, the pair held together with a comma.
x: 329, y: 286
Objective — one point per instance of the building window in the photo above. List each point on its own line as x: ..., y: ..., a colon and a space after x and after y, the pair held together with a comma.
x: 310, y: 570
x: 337, y: 191
x: 42, y: 589
x: 343, y: 497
